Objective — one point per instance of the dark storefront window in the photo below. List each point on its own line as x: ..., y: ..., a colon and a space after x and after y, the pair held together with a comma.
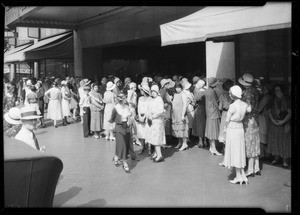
x: 267, y: 54
x: 24, y: 69
x: 56, y: 67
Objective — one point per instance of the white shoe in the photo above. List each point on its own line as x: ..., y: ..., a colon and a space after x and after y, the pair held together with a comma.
x: 183, y: 147
x: 113, y: 138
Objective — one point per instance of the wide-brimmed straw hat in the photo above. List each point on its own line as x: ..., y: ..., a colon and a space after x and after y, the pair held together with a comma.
x: 110, y: 85
x: 212, y: 82
x: 163, y: 82
x: 246, y: 80
x: 236, y: 91
x: 155, y: 88
x: 145, y: 88
x: 13, y: 116
x: 28, y: 113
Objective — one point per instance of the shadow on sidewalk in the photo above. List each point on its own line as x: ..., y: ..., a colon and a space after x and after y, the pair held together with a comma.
x: 61, y: 198
x: 94, y: 203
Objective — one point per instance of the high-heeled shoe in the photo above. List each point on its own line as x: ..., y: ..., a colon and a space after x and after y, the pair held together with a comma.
x: 126, y: 168
x: 258, y: 173
x: 214, y: 152
x: 178, y: 146
x: 182, y: 148
x: 113, y: 139
x: 152, y: 157
x: 161, y: 159
x: 250, y: 174
x: 106, y: 138
x: 221, y: 164
x: 117, y: 162
x: 236, y: 181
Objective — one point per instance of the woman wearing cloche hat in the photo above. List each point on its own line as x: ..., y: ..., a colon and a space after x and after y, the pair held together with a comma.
x: 212, y: 115
x: 252, y: 139
x: 109, y: 99
x: 234, y: 135
x: 12, y: 123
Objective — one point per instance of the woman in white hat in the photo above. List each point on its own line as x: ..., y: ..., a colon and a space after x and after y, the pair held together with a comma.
x: 213, y: 115
x: 65, y: 102
x: 155, y: 119
x: 12, y: 122
x: 179, y: 118
x: 29, y: 119
x: 143, y: 104
x: 252, y: 139
x: 54, y: 107
x: 234, y: 135
x: 109, y: 100
x: 199, y: 122
x: 121, y: 117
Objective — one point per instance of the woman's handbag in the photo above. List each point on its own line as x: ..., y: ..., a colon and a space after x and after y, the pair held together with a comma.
x: 149, y: 121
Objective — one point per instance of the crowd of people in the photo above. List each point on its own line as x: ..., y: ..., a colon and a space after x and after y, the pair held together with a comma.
x: 249, y: 119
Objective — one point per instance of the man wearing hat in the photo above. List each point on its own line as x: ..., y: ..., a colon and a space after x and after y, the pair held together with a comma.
x: 12, y: 124
x: 29, y: 119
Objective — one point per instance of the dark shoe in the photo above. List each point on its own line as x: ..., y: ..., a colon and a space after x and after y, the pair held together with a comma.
x: 55, y: 126
x: 161, y: 159
x: 64, y: 124
x: 68, y: 122
x: 258, y: 173
x: 43, y: 126
x: 250, y: 175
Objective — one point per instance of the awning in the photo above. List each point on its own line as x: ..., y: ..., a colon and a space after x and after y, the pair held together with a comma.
x: 17, y: 49
x: 224, y: 21
x: 57, y: 47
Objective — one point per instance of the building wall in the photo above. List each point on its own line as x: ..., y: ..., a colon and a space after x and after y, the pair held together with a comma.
x: 134, y: 25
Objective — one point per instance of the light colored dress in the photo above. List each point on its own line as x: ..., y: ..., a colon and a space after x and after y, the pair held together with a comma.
x: 180, y: 128
x: 132, y: 101
x: 189, y: 97
x: 235, y: 155
x: 54, y: 106
x: 65, y: 101
x: 96, y: 108
x: 147, y: 127
x: 157, y: 129
x: 224, y: 102
x: 143, y: 105
x: 109, y: 100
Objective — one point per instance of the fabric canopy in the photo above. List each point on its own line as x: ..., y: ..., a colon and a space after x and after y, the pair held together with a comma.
x: 60, y: 46
x: 224, y: 21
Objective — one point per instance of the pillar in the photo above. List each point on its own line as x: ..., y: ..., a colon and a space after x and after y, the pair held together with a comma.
x: 77, y: 54
x: 12, y: 71
x: 220, y: 60
x: 36, y: 70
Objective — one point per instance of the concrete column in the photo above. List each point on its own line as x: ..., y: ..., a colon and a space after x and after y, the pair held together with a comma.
x: 36, y: 70
x: 77, y: 54
x: 12, y: 71
x: 220, y: 60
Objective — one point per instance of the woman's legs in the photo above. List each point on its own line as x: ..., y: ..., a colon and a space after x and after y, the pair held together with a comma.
x: 111, y: 135
x: 250, y: 166
x: 184, y: 144
x: 179, y: 143
x: 256, y: 164
x: 212, y: 148
x: 143, y: 146
x: 54, y: 122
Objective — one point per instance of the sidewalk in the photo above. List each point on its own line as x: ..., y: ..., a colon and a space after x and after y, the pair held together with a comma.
x: 190, y: 178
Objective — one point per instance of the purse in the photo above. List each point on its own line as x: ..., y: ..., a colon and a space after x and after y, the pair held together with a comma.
x: 149, y: 121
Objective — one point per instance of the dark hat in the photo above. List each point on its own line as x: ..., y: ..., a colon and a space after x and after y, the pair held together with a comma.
x: 227, y: 84
x: 212, y: 82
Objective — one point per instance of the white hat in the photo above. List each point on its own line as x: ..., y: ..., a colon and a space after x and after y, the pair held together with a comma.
x: 246, y: 79
x: 63, y: 82
x: 155, y: 89
x: 116, y: 80
x: 200, y: 84
x: 131, y: 85
x: 145, y: 79
x: 163, y: 82
x: 29, y: 112
x: 13, y: 116
x: 171, y: 83
x: 145, y: 88
x: 110, y: 85
x: 186, y: 84
x: 236, y: 91
x: 28, y: 82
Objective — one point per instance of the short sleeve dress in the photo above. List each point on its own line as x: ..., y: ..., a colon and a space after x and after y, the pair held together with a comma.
x: 109, y: 100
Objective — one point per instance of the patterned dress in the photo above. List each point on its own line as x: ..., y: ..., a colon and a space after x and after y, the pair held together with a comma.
x: 252, y: 140
x: 180, y: 128
x: 157, y: 129
x: 279, y: 137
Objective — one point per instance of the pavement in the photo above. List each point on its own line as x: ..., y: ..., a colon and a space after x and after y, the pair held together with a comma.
x: 190, y: 178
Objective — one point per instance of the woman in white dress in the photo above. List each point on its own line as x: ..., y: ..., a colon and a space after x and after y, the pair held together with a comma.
x: 155, y: 119
x: 143, y: 104
x: 109, y: 100
x: 235, y: 151
x: 65, y: 102
x: 54, y: 106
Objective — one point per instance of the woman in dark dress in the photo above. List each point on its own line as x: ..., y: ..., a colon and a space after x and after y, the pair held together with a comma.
x: 121, y: 116
x: 40, y: 92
